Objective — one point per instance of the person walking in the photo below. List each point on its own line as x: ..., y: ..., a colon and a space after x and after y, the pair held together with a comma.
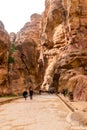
x: 31, y: 93
x: 25, y: 94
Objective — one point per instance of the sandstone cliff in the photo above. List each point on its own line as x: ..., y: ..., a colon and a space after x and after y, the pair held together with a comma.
x: 64, y: 43
x: 25, y: 46
x: 4, y: 53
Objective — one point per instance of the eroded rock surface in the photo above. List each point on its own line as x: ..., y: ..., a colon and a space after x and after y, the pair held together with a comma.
x: 4, y: 52
x: 24, y: 68
x: 64, y: 36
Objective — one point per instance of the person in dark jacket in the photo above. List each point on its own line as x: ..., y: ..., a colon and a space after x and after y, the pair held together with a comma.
x: 25, y: 94
x: 31, y: 93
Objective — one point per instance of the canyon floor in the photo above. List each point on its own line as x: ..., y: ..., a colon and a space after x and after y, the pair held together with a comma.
x: 44, y: 112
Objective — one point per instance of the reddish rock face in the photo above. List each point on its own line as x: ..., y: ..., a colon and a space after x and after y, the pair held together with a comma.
x: 4, y: 52
x: 24, y: 69
x: 64, y: 42
x: 30, y: 30
x: 64, y: 22
x: 78, y: 85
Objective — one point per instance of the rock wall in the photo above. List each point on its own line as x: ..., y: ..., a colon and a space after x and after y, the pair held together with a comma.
x: 30, y: 30
x: 4, y: 52
x: 25, y: 53
x: 64, y: 43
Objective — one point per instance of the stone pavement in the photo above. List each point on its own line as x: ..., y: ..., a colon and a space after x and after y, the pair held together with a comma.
x: 44, y: 112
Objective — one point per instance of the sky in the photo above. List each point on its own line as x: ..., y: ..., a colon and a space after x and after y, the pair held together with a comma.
x: 15, y: 13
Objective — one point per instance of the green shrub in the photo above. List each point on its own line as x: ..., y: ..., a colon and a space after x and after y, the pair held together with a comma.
x: 65, y: 91
x: 13, y: 48
x: 10, y: 59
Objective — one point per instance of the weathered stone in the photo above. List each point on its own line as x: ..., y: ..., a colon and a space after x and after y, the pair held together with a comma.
x: 4, y: 52
x: 30, y: 30
x: 78, y: 85
x: 64, y: 25
x: 24, y: 69
x: 80, y: 118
